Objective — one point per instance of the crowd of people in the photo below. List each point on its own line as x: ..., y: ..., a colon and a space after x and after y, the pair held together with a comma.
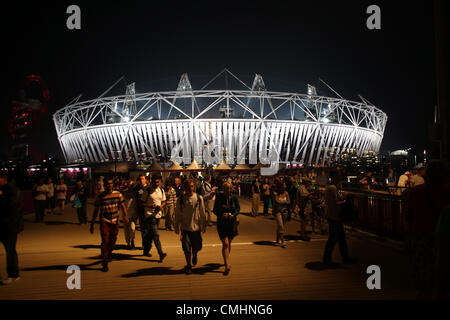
x: 188, y: 203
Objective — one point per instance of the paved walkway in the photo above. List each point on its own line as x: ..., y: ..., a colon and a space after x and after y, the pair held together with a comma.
x: 260, y: 270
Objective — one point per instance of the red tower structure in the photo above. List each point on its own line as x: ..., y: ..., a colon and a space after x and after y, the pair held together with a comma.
x: 25, y: 117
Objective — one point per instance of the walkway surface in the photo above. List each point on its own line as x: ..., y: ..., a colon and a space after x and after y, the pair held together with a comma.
x: 260, y: 270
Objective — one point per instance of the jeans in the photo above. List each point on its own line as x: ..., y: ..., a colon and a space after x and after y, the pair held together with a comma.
x: 169, y: 216
x: 149, y: 229
x: 336, y: 235
x: 39, y: 209
x: 266, y: 204
x: 9, y: 239
x: 81, y: 212
x: 109, y: 233
x: 255, y: 203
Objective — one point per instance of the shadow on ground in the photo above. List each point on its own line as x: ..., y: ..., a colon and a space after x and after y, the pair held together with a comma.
x: 160, y: 271
x: 295, y: 237
x: 123, y: 257
x: 265, y: 243
x: 319, y: 266
x: 59, y: 223
x: 97, y: 246
x: 64, y: 267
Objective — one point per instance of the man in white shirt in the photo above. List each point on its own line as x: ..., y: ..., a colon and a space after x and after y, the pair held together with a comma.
x: 403, y: 182
x: 154, y: 202
x: 190, y: 223
x: 417, y: 178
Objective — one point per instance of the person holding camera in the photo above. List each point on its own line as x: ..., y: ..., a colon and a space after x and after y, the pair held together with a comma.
x: 154, y: 202
x: 227, y: 208
x: 333, y: 215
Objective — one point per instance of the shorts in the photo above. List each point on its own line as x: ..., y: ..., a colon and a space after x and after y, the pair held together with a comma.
x: 227, y: 228
x: 192, y: 241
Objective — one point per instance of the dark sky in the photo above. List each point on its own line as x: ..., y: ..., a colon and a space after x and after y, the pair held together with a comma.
x: 290, y: 43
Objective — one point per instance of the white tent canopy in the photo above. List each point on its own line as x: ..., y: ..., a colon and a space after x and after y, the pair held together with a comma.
x: 156, y: 166
x: 194, y: 166
x: 223, y: 166
x: 175, y: 166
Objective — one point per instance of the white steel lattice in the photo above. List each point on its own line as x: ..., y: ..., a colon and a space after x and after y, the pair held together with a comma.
x: 240, y: 124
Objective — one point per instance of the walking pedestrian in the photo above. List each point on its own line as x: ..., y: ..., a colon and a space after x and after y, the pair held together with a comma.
x: 303, y: 206
x: 108, y: 205
x: 178, y: 187
x: 266, y: 189
x: 226, y: 209
x: 50, y: 205
x: 281, y: 210
x: 61, y: 195
x: 11, y: 223
x: 139, y: 196
x: 40, y: 199
x: 133, y: 215
x: 256, y: 195
x: 336, y: 233
x: 154, y: 202
x: 209, y: 196
x: 190, y: 223
x: 80, y: 191
x: 169, y: 208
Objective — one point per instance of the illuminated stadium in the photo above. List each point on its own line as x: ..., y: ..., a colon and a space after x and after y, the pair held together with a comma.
x: 211, y: 126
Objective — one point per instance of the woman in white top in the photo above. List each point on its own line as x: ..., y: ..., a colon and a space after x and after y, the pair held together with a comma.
x: 281, y: 208
x: 50, y: 206
x: 61, y: 195
x: 40, y: 197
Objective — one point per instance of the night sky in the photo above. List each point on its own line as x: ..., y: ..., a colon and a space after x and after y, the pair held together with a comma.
x: 289, y: 43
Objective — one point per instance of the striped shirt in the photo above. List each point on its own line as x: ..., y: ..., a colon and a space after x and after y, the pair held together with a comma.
x: 171, y: 197
x: 109, y: 205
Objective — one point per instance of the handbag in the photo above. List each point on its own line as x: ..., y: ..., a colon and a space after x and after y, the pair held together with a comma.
x: 76, y: 203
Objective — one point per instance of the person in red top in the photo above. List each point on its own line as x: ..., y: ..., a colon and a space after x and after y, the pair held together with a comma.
x: 425, y: 202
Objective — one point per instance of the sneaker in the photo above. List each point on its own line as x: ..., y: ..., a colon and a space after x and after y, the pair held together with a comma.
x: 105, y: 266
x: 147, y: 254
x: 194, y: 259
x: 10, y: 280
x: 161, y: 257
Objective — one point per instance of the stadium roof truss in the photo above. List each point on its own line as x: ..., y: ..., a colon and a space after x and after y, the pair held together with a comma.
x: 241, y: 124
